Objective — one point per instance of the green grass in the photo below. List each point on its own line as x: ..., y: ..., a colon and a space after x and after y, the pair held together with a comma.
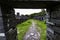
x: 41, y: 27
x: 22, y: 29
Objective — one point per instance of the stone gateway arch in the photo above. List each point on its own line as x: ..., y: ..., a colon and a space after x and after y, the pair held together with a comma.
x: 8, y: 29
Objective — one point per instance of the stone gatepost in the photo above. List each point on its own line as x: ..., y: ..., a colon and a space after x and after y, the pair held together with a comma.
x: 53, y: 23
x: 9, y: 23
x: 2, y: 31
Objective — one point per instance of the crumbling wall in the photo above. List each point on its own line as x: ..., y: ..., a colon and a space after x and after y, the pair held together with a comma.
x: 9, y: 22
x: 53, y: 24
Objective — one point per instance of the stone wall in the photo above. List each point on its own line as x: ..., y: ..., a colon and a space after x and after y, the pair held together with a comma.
x: 54, y: 18
x: 2, y: 31
x: 9, y: 22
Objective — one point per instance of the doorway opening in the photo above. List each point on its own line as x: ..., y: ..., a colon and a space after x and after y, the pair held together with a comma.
x: 31, y: 24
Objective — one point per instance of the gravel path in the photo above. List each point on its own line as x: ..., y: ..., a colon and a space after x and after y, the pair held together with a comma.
x: 32, y: 33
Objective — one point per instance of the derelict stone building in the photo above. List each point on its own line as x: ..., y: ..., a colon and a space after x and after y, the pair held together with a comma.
x: 8, y: 29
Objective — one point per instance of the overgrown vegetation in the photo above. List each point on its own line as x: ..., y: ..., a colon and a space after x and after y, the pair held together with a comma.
x: 42, y: 13
x: 41, y: 26
x: 22, y: 29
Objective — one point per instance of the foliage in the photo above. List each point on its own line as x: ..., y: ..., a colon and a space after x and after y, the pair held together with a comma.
x: 42, y: 13
x: 22, y: 29
x: 42, y: 29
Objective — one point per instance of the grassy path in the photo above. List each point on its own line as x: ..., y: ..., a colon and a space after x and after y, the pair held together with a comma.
x: 23, y: 28
x: 41, y: 27
x: 32, y: 33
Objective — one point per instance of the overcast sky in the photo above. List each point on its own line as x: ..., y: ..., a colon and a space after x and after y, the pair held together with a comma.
x: 27, y: 11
